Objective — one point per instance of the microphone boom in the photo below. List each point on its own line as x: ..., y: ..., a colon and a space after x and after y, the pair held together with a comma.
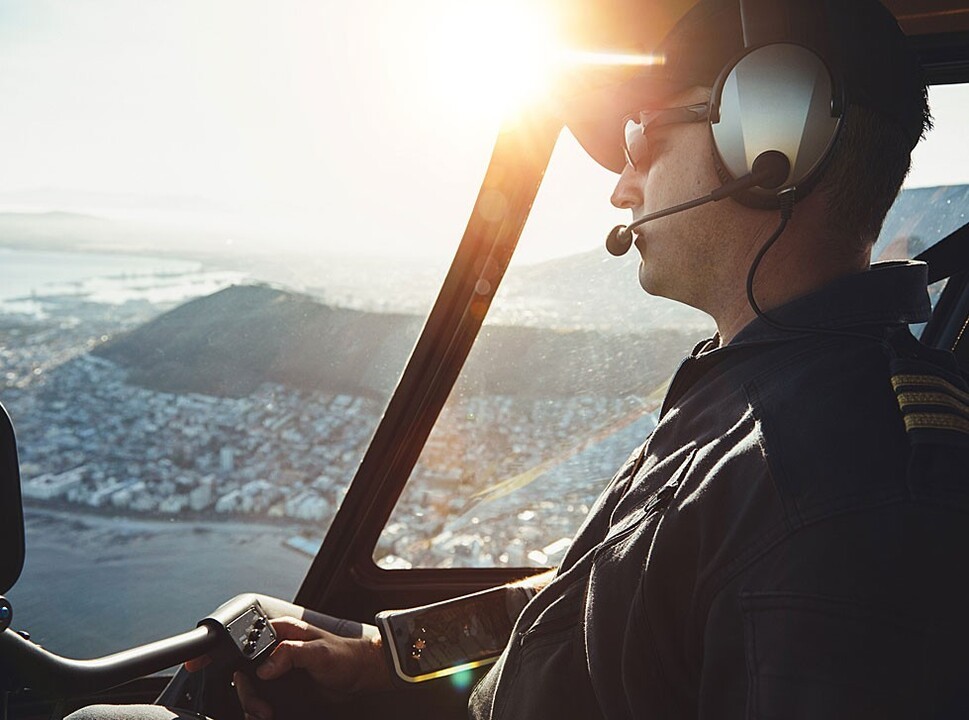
x: 770, y: 170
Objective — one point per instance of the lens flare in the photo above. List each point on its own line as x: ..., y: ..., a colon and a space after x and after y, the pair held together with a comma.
x: 500, y: 56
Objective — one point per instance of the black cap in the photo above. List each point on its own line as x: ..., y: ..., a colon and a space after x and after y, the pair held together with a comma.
x: 859, y: 39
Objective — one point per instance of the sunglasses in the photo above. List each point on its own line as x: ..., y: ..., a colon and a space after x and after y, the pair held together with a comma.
x: 635, y: 143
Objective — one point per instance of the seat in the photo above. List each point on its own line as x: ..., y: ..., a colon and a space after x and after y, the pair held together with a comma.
x: 11, y: 507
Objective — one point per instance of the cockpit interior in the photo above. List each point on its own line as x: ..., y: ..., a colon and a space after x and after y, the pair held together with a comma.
x: 311, y: 302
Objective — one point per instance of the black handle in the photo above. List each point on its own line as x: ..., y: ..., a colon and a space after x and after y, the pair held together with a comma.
x: 28, y: 665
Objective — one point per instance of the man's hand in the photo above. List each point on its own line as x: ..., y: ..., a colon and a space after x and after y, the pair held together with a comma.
x: 336, y: 664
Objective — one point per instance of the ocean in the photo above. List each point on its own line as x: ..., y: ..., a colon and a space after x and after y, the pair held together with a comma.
x: 94, y: 585
x: 28, y: 276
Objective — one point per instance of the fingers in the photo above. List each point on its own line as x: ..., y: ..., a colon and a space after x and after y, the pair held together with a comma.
x: 293, y: 634
x: 254, y: 707
x: 336, y: 664
x: 284, y: 658
x: 196, y: 664
x: 290, y: 628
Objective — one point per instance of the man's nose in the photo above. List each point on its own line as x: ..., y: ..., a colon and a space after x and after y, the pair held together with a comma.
x: 628, y: 193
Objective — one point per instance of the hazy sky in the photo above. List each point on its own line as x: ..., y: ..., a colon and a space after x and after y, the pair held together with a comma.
x: 339, y: 125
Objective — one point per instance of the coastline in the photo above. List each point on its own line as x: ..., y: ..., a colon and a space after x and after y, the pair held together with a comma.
x: 160, y: 523
x: 209, y: 261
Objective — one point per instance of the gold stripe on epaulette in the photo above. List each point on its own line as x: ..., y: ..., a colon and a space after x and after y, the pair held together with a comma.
x: 930, y: 398
x: 936, y: 421
x: 931, y: 380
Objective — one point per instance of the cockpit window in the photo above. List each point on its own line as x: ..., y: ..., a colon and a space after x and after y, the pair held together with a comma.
x: 935, y: 201
x: 568, y: 373
x: 221, y: 227
x: 563, y: 382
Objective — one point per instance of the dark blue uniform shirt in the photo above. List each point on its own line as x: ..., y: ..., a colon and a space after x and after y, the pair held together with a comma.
x: 789, y: 542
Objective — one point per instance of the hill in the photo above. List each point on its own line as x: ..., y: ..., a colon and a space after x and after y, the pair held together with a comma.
x: 230, y: 342
x: 920, y: 218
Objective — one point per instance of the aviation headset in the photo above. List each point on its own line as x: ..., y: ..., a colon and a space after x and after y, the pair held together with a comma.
x: 778, y: 96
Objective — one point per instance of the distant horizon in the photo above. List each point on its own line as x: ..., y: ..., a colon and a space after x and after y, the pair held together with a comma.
x: 324, y: 125
x: 218, y: 233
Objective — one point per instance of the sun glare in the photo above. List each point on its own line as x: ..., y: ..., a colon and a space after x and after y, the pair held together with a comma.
x: 499, y: 56
x: 493, y: 56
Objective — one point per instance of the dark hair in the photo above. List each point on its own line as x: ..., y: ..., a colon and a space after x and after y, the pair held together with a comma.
x: 866, y: 171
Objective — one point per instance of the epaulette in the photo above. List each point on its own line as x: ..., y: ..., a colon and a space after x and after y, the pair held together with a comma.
x: 932, y: 394
x: 931, y: 402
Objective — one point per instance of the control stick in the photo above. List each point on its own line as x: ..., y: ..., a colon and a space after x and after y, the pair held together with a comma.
x: 238, y: 632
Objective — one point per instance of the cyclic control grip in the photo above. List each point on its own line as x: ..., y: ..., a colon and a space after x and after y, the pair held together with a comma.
x: 243, y: 622
x: 252, y: 634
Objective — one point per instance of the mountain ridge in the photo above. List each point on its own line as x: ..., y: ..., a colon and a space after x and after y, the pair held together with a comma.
x: 230, y: 342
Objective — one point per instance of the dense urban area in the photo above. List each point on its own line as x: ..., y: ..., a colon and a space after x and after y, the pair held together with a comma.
x: 502, y: 480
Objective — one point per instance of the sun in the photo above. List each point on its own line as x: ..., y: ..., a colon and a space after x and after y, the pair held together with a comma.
x: 496, y: 57
x: 492, y: 56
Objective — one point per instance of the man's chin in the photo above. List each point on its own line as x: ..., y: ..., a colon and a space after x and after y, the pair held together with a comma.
x: 647, y: 279
x: 652, y: 283
x: 645, y: 282
x: 655, y: 283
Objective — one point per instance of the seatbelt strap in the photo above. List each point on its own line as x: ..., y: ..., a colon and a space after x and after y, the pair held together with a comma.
x: 949, y: 256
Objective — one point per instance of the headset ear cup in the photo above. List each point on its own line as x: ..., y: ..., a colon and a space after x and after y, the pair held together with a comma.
x: 778, y: 97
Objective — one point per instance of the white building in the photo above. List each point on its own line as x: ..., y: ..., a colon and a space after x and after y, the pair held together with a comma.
x: 227, y: 459
x: 52, y: 485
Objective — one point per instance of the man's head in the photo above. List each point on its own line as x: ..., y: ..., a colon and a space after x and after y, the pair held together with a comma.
x: 882, y: 117
x: 698, y: 39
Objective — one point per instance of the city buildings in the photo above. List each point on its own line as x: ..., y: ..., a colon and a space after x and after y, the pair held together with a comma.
x: 502, y: 480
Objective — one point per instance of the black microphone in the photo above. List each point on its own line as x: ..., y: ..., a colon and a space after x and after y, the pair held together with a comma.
x: 769, y: 170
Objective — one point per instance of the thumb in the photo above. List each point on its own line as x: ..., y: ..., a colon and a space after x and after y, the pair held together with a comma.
x: 284, y: 658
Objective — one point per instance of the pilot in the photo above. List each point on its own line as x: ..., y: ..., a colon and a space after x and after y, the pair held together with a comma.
x: 789, y: 540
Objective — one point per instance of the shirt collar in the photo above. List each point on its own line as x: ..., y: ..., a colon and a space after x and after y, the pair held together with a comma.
x: 889, y: 293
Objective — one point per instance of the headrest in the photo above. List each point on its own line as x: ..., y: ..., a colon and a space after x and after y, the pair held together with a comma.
x: 11, y: 508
